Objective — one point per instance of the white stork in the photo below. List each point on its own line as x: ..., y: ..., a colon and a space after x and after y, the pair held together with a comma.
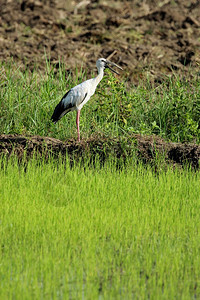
x: 79, y: 95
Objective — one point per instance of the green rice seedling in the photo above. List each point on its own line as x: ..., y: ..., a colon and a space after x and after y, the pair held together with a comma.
x: 85, y: 233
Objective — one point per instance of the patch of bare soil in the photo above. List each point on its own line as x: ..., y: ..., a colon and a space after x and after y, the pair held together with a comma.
x: 151, y: 36
x: 148, y: 149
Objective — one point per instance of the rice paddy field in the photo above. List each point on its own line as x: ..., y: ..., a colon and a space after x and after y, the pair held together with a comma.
x: 76, y: 231
x: 85, y: 233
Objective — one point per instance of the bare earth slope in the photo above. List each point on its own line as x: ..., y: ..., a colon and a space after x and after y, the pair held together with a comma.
x: 149, y: 36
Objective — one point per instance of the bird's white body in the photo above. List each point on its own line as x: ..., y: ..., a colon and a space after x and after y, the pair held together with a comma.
x: 79, y: 95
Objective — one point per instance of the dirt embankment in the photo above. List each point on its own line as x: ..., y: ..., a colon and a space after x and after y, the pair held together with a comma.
x: 149, y: 149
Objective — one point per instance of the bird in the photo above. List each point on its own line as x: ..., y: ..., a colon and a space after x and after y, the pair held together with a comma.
x: 79, y: 95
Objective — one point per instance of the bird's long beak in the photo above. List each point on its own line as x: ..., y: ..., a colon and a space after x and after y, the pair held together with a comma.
x: 109, y: 64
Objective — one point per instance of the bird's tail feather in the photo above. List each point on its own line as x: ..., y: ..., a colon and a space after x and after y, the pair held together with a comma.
x: 59, y: 112
x: 61, y: 109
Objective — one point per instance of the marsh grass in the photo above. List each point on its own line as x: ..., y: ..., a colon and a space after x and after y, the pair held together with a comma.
x: 98, y: 233
x: 170, y: 110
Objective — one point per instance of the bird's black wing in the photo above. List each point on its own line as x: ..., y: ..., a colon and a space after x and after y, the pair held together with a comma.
x: 62, y: 108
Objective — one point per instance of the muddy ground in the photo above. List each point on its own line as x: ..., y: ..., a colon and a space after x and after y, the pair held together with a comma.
x: 151, y: 37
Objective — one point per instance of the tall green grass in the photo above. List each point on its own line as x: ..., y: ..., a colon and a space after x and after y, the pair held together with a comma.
x: 170, y: 110
x: 80, y: 233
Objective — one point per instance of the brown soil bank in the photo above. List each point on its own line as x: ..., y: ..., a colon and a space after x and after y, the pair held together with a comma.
x: 147, y: 149
x: 154, y: 37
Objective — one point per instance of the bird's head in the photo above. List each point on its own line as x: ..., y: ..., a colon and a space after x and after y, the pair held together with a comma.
x: 103, y: 63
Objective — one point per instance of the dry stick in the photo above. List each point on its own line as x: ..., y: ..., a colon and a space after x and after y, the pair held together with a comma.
x: 112, y: 54
x: 82, y: 3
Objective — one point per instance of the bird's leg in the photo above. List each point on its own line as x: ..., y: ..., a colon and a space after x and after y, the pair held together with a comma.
x: 77, y: 123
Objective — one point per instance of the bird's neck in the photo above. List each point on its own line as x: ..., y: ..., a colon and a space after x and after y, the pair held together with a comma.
x: 99, y: 76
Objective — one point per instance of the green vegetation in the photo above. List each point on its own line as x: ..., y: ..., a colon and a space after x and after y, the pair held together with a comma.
x: 85, y: 233
x: 170, y: 110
